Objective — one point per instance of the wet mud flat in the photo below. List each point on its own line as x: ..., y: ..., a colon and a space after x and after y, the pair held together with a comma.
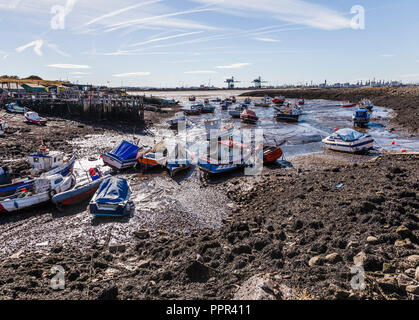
x: 302, y: 229
x: 201, y: 239
x: 403, y: 100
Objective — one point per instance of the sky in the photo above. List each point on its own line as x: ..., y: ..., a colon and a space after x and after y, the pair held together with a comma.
x: 173, y: 43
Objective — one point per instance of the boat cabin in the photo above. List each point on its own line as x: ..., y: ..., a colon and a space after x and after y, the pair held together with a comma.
x: 46, y: 160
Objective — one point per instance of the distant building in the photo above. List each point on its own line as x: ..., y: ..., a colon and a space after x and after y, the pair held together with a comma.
x: 33, y: 88
x: 12, y: 87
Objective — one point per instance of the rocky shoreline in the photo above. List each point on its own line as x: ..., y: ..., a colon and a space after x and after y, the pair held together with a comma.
x: 403, y: 100
x: 291, y: 234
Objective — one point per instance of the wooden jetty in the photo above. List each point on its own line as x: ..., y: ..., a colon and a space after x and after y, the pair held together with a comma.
x: 94, y: 105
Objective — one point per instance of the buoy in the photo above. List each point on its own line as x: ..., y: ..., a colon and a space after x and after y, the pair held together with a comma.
x: 335, y: 129
x: 403, y: 150
x: 393, y: 142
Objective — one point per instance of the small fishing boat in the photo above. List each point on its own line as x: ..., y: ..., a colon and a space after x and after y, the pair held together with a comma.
x: 43, y: 190
x: 15, y: 108
x: 225, y: 105
x: 178, y: 159
x: 361, y: 117
x: 230, y: 155
x: 247, y: 101
x: 366, y: 104
x: 271, y: 153
x: 43, y: 163
x: 347, y: 104
x: 217, y: 100
x: 279, y: 100
x: 33, y: 117
x: 195, y: 110
x: 206, y: 101
x: 9, y: 186
x: 3, y: 126
x: 237, y: 111
x: 265, y: 102
x: 233, y: 99
x: 175, y: 123
x: 192, y: 98
x: 83, y: 190
x: 301, y: 102
x: 49, y: 163
x: 217, y: 130
x: 288, y: 113
x: 349, y: 140
x: 249, y: 116
x: 124, y: 156
x: 208, y: 108
x: 170, y: 101
x: 111, y: 198
x: 173, y: 157
x: 153, y: 157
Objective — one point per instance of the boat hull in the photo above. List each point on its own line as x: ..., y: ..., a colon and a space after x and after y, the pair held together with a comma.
x: 41, y: 122
x: 218, y: 168
x: 287, y: 117
x: 352, y: 147
x: 76, y: 195
x: 271, y: 154
x: 23, y: 203
x: 116, y: 163
x: 9, y: 189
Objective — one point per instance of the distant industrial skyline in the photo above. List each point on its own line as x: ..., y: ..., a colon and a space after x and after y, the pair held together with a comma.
x: 184, y: 43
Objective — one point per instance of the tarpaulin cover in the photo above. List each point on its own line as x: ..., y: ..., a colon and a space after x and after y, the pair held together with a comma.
x: 113, y: 190
x: 125, y: 151
x: 349, y: 134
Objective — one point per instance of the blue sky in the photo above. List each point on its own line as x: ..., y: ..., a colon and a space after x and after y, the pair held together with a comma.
x: 192, y: 42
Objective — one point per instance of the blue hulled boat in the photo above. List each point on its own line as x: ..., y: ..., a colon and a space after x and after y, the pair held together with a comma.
x: 112, y: 198
x: 124, y: 156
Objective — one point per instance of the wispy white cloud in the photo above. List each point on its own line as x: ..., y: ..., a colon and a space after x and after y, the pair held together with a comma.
x: 267, y: 39
x: 57, y: 50
x: 295, y: 11
x: 165, y: 38
x: 387, y: 55
x: 10, y: 5
x: 234, y: 66
x: 80, y: 73
x: 131, y: 74
x: 37, y: 45
x: 68, y: 66
x: 116, y: 12
x: 200, y: 72
x: 152, y: 19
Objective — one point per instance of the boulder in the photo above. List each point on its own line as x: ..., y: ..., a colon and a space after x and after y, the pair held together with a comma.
x: 413, y: 289
x: 403, y: 232
x: 258, y: 287
x: 316, y: 261
x: 360, y: 258
x: 333, y: 257
x: 372, y: 240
